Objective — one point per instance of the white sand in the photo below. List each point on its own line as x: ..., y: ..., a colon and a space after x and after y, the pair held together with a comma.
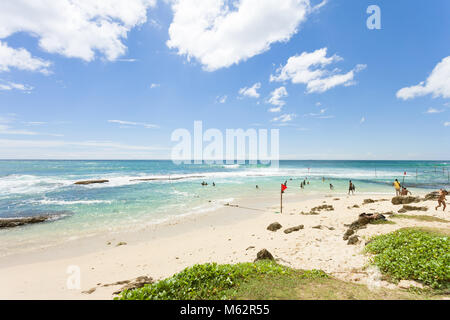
x: 222, y: 236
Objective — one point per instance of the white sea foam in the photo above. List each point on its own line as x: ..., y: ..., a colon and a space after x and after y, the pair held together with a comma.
x: 67, y: 202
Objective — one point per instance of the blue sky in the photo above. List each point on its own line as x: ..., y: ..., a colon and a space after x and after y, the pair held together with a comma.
x: 118, y: 80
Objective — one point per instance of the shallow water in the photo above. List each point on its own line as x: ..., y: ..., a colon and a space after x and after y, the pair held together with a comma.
x: 47, y: 187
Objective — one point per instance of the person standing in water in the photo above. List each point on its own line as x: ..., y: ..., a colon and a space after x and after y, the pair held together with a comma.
x: 331, y: 187
x: 441, y: 199
x: 351, y: 187
x: 396, y: 185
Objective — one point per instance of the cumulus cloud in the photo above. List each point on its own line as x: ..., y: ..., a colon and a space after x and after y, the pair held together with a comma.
x: 437, y: 84
x: 309, y: 68
x: 75, y: 28
x: 276, y: 97
x: 20, y: 59
x: 251, y: 92
x: 447, y: 124
x: 220, y: 33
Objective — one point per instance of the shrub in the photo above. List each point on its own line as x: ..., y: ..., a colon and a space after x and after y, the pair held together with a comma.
x: 204, y: 281
x: 413, y: 254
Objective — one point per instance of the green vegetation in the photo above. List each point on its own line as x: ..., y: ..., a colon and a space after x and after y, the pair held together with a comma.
x: 419, y: 217
x: 415, y: 254
x: 381, y: 222
x: 263, y: 280
x: 205, y: 281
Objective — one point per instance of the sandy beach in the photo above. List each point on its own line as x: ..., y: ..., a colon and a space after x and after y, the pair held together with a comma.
x: 231, y: 234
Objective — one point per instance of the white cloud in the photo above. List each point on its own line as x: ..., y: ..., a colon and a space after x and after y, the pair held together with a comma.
x: 222, y: 99
x: 284, y: 118
x: 8, y: 86
x: 131, y: 123
x: 8, y: 124
x: 154, y: 85
x: 321, y: 115
x: 309, y: 68
x: 363, y: 119
x: 7, y: 143
x: 4, y: 129
x: 221, y: 33
x: 437, y: 84
x: 75, y: 28
x: 20, y: 59
x: 276, y: 97
x: 251, y: 92
x: 433, y: 110
x: 127, y: 60
x: 447, y: 124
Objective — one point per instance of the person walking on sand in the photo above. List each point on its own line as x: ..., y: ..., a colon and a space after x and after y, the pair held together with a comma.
x: 351, y: 188
x: 397, y: 187
x: 331, y: 187
x: 441, y: 199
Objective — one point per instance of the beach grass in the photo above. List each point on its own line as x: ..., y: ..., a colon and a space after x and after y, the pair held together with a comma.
x: 419, y: 218
x: 419, y: 254
x: 263, y: 280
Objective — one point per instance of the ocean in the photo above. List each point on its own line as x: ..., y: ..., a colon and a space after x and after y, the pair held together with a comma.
x: 30, y: 188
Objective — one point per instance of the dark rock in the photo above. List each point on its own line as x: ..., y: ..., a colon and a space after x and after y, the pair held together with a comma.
x: 309, y: 213
x: 121, y: 244
x: 89, y: 291
x: 274, y: 226
x: 353, y: 240
x: 139, y: 282
x: 251, y: 247
x: 116, y: 283
x: 264, y: 254
x: 412, y: 208
x: 432, y: 196
x: 91, y: 182
x: 348, y: 233
x: 404, y: 200
x: 15, y: 222
x: 317, y: 227
x: 325, y: 207
x: 289, y: 230
x: 366, y: 201
x: 365, y: 218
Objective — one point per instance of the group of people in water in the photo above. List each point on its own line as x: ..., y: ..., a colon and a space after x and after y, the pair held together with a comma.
x: 400, y: 190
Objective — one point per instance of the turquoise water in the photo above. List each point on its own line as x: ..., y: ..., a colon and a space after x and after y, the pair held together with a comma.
x: 30, y: 188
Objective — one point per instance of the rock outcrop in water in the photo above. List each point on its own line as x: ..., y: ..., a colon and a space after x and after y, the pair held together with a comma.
x: 15, y: 222
x: 91, y: 182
